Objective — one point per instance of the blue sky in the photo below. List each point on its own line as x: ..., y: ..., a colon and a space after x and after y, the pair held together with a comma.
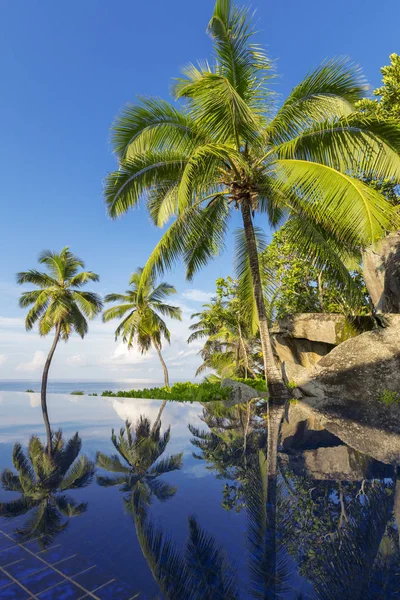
x: 67, y: 69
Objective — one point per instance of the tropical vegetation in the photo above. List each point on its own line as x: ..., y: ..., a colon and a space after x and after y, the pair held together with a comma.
x: 223, y: 147
x: 59, y: 304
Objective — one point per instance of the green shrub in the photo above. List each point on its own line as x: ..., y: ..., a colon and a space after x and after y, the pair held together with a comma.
x: 94, y: 394
x: 179, y: 392
x: 76, y: 393
x: 389, y: 397
x: 30, y: 391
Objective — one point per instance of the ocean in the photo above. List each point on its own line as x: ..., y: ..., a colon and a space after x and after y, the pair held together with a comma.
x: 66, y: 387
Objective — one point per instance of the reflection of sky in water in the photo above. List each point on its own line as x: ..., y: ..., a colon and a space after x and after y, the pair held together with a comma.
x: 105, y: 532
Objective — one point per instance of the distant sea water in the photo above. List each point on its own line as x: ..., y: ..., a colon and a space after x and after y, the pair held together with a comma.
x: 66, y: 387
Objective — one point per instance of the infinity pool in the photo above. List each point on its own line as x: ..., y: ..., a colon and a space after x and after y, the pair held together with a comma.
x: 188, y: 515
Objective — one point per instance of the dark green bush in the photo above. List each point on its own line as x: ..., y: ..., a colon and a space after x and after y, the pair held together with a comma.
x: 179, y: 392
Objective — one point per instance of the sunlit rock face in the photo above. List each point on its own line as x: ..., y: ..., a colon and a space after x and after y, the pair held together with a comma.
x: 381, y: 271
x: 305, y: 338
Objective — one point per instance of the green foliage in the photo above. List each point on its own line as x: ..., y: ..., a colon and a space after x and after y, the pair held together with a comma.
x: 179, y: 392
x: 388, y: 104
x: 77, y: 393
x: 59, y: 301
x: 295, y: 284
x: 94, y: 394
x: 224, y: 146
x: 389, y: 397
x: 387, y: 108
x: 30, y: 391
x: 231, y: 348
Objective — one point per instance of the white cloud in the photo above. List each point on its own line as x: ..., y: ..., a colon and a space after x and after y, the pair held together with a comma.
x: 197, y: 295
x: 76, y: 360
x: 35, y: 364
x: 122, y: 356
x: 3, y: 359
x: 11, y: 323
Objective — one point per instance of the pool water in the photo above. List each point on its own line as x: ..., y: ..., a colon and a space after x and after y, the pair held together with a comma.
x: 194, y: 515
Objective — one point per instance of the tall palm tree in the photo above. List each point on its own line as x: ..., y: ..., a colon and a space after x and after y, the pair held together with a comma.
x: 138, y: 474
x: 141, y: 307
x: 42, y: 481
x: 59, y: 304
x: 226, y: 148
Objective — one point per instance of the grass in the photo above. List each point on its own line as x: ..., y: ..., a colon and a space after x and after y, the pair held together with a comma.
x: 389, y: 397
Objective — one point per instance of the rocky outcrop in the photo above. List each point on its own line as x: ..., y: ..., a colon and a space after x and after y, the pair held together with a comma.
x: 304, y: 339
x: 362, y: 368
x: 381, y: 271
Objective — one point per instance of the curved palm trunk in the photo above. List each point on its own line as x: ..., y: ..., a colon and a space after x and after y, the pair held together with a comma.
x: 43, y: 392
x: 273, y: 376
x: 164, y: 366
x: 166, y: 382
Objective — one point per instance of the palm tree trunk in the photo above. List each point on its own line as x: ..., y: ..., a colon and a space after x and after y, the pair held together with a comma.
x: 273, y: 376
x: 166, y: 382
x: 43, y: 392
x: 164, y: 366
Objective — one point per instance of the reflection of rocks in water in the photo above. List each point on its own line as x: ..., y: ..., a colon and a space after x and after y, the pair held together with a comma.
x: 339, y: 463
x: 310, y: 450
x: 382, y: 445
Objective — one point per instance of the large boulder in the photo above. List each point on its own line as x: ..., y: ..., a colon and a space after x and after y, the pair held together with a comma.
x: 381, y: 271
x: 304, y: 339
x: 362, y: 369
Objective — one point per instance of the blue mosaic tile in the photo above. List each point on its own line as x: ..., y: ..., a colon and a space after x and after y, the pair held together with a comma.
x: 93, y: 578
x: 5, y: 542
x: 13, y: 592
x: 73, y: 566
x: 114, y: 590
x: 4, y: 580
x: 54, y: 554
x: 42, y: 581
x: 64, y: 591
x: 11, y: 555
x: 23, y: 568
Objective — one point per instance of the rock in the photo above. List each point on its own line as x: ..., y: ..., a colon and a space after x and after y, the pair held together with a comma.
x: 304, y: 339
x: 381, y: 271
x: 327, y: 328
x: 365, y: 437
x: 361, y: 369
x: 299, y: 351
x: 240, y: 392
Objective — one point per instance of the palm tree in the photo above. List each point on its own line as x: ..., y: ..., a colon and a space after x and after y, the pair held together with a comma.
x: 226, y: 148
x: 58, y: 304
x: 140, y: 308
x: 42, y: 481
x: 141, y: 322
x: 138, y: 474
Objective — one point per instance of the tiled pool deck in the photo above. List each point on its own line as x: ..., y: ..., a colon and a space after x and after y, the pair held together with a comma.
x: 28, y: 572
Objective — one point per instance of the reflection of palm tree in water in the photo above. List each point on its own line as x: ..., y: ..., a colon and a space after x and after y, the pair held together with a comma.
x: 140, y: 449
x: 42, y: 481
